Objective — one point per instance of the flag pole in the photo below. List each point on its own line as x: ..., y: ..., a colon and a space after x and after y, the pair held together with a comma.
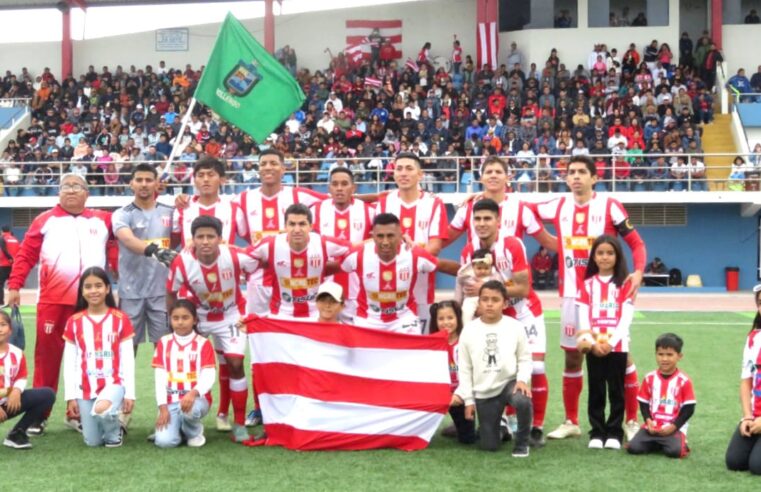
x: 177, y: 138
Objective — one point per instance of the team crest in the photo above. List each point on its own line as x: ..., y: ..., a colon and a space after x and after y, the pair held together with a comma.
x: 166, y: 221
x: 111, y: 338
x: 502, y: 264
x: 315, y: 261
x: 227, y: 274
x: 193, y: 357
x: 269, y: 212
x: 580, y: 217
x: 342, y: 223
x: 404, y: 274
x: 422, y: 224
x: 406, y: 222
x: 49, y: 325
x: 298, y: 262
x: 387, y: 276
x: 357, y: 225
x: 242, y: 78
x: 211, y: 277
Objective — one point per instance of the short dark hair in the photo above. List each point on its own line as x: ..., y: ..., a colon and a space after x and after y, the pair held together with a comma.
x: 341, y: 169
x: 212, y: 163
x: 587, y: 161
x: 6, y: 228
x: 494, y: 285
x: 409, y: 155
x: 486, y: 204
x: 669, y: 341
x: 385, y: 219
x: 206, y: 221
x: 298, y: 209
x: 273, y: 151
x: 494, y: 159
x: 144, y: 168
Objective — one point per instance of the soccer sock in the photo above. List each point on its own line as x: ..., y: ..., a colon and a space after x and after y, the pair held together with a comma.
x: 224, y: 386
x: 573, y: 382
x: 631, y: 388
x: 539, y: 393
x: 239, y: 396
x: 253, y: 388
x: 510, y: 410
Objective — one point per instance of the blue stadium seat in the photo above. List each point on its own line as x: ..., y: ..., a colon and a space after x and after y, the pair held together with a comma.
x: 288, y: 179
x: 448, y: 188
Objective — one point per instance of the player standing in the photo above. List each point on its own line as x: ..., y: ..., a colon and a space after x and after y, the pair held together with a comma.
x: 579, y: 218
x: 209, y: 275
x: 423, y: 219
x: 343, y: 217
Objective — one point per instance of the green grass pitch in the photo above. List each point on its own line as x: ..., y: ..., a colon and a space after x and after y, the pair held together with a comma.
x: 713, y: 344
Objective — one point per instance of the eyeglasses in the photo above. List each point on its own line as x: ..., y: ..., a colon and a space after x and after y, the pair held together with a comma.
x: 75, y: 188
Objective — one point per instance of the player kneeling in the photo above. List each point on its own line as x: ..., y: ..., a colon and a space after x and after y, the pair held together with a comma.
x: 184, y: 367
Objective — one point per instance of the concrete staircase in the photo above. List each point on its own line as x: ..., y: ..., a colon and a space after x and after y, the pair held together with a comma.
x: 717, y: 137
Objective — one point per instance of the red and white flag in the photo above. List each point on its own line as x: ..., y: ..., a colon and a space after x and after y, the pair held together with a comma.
x: 357, y: 32
x: 487, y: 44
x: 354, y: 53
x: 373, y: 82
x: 412, y: 65
x: 340, y: 387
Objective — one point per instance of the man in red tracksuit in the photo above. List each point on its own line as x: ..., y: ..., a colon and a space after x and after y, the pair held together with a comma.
x: 8, y: 248
x: 65, y: 241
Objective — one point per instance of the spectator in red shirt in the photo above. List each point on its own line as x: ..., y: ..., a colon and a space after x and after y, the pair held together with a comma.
x: 8, y: 249
x: 541, y: 266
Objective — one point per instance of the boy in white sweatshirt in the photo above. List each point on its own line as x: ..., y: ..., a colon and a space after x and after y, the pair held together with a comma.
x: 494, y: 370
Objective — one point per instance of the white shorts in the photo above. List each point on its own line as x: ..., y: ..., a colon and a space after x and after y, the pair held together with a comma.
x: 569, y: 323
x: 536, y: 333
x: 225, y: 337
x: 258, y: 295
x: 406, y: 324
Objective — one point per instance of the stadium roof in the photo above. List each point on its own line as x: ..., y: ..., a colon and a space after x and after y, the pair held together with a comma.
x: 53, y: 4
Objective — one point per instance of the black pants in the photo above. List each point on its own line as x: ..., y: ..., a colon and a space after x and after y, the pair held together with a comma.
x: 673, y: 446
x: 34, y: 403
x: 466, y: 429
x: 490, y: 412
x: 744, y: 453
x: 5, y: 272
x: 606, y: 377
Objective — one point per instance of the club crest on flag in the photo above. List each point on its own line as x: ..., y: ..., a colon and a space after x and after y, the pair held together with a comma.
x: 315, y: 261
x: 227, y: 274
x: 242, y: 78
x: 404, y: 274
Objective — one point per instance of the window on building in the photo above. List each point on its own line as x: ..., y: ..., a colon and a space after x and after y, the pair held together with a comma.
x: 741, y: 12
x: 628, y: 13
x: 516, y: 15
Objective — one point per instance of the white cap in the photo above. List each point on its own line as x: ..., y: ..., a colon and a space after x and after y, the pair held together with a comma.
x: 333, y: 289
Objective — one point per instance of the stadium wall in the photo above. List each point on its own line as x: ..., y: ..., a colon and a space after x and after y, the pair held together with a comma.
x: 736, y: 40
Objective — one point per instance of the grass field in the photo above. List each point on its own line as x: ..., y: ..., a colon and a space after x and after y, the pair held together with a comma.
x: 713, y: 345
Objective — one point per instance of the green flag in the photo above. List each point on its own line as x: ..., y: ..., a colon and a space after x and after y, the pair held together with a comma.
x: 245, y: 85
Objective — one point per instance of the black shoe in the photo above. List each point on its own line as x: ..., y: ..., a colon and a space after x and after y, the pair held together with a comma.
x: 536, y: 438
x: 520, y: 451
x: 37, y: 428
x: 504, y: 433
x: 115, y: 444
x: 17, y: 439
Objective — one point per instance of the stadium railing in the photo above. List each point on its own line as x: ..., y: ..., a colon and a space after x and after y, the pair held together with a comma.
x: 440, y: 175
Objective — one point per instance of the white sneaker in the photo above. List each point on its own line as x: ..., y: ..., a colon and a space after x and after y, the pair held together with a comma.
x: 611, y: 443
x: 73, y: 424
x: 564, y: 430
x: 223, y: 425
x: 630, y: 429
x: 198, y: 441
x: 595, y: 444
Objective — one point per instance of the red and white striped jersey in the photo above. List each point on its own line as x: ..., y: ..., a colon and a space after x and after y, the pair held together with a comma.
x: 12, y: 371
x: 183, y: 363
x: 605, y: 302
x: 509, y: 259
x: 226, y: 210
x: 577, y: 227
x: 666, y: 396
x: 98, y: 356
x: 352, y: 225
x: 386, y: 289
x: 751, y: 369
x: 297, y: 275
x: 423, y: 220
x: 265, y: 215
x: 515, y: 219
x: 214, y: 289
x: 65, y: 245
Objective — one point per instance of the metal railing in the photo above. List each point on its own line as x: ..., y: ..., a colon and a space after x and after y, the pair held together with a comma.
x: 14, y: 102
x: 375, y: 174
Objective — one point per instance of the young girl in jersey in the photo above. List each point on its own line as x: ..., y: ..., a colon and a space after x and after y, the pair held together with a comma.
x: 446, y: 316
x: 606, y: 311
x: 15, y: 399
x: 98, y: 361
x: 185, y: 372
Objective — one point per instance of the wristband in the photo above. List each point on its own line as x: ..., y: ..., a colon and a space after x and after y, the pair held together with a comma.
x: 150, y: 249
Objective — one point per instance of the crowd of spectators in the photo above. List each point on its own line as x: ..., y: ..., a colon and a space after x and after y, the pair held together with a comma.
x: 625, y: 109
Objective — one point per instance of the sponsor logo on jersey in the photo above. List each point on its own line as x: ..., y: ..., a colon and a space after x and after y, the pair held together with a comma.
x: 578, y: 242
x: 576, y: 262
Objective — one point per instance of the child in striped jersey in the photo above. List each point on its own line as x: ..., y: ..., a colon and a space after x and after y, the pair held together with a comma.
x: 98, y: 361
x: 185, y: 371
x: 606, y: 309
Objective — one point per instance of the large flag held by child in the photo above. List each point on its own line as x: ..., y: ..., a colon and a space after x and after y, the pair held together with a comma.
x: 324, y: 386
x: 246, y: 85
